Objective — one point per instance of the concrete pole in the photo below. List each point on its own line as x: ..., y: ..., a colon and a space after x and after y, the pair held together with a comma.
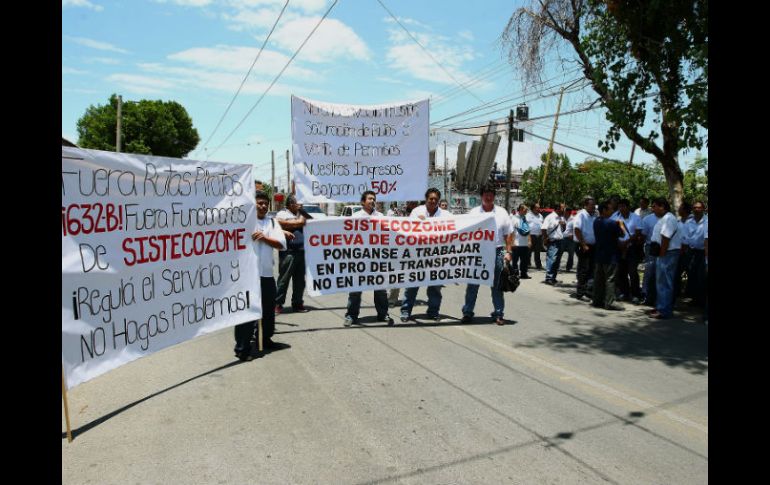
x: 118, y: 130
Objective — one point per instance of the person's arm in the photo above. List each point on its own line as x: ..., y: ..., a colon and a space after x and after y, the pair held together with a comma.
x: 292, y: 224
x: 272, y: 242
x: 508, y: 247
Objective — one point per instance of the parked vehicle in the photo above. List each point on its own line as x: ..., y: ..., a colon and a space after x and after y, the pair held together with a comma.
x: 350, y: 210
x: 314, y: 211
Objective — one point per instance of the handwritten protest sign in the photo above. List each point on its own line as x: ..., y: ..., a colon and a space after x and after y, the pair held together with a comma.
x: 340, y: 151
x: 356, y: 254
x: 155, y: 251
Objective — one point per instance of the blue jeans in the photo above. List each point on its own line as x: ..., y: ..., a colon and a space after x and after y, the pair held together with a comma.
x: 665, y: 271
x: 553, y: 259
x: 380, y: 303
x: 498, y: 302
x: 434, y: 301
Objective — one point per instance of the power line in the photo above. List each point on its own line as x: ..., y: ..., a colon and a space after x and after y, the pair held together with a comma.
x: 278, y: 76
x: 227, y: 110
x: 426, y: 51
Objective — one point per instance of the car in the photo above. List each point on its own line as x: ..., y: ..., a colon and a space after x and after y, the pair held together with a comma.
x: 349, y: 210
x: 314, y: 211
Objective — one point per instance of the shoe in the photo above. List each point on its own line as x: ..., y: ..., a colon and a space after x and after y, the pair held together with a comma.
x: 659, y: 316
x: 350, y: 320
x: 654, y: 314
x: 635, y: 301
x: 549, y: 282
x: 614, y: 308
x: 278, y: 309
x: 467, y: 319
x: 525, y: 277
x: 404, y: 318
x: 651, y: 311
x: 500, y: 321
x: 387, y: 319
x: 244, y: 356
x: 579, y: 297
x: 270, y: 344
x: 299, y: 308
x: 436, y: 318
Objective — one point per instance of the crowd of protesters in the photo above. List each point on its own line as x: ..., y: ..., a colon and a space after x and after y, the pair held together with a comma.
x: 610, y: 240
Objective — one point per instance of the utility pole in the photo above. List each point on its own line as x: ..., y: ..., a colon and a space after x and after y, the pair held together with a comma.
x: 550, y: 146
x: 272, y: 176
x: 288, y: 179
x: 120, y: 116
x: 508, y: 164
x: 631, y: 160
x: 445, y: 171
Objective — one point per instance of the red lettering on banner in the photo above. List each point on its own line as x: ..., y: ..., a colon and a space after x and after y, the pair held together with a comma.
x: 150, y: 249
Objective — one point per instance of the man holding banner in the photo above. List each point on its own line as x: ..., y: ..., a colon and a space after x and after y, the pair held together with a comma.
x: 291, y: 261
x: 502, y: 253
x: 368, y: 201
x: 429, y: 209
x: 267, y: 236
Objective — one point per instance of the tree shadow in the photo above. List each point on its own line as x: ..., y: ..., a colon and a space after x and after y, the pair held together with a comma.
x: 674, y: 342
x: 96, y: 422
x: 372, y: 322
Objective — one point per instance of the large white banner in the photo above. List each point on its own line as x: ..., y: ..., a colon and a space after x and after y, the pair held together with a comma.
x: 344, y: 254
x: 340, y: 151
x: 155, y: 251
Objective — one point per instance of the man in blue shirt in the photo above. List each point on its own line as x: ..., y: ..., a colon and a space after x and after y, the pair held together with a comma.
x: 607, y: 232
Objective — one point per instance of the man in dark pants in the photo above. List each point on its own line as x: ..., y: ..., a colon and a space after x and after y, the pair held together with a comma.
x: 696, y: 273
x: 291, y: 263
x: 607, y: 233
x: 267, y: 236
x: 584, y: 236
x: 368, y: 201
x: 552, y: 228
x: 535, y: 221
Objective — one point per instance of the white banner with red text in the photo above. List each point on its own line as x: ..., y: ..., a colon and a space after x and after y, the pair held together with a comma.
x: 155, y: 251
x: 344, y: 254
x: 340, y: 151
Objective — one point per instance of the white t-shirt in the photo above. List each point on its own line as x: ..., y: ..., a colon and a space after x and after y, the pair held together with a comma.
x: 695, y: 232
x: 535, y: 222
x: 421, y: 210
x: 585, y: 222
x: 502, y: 220
x: 568, y: 231
x: 552, y: 226
x: 518, y: 239
x: 643, y: 213
x: 665, y: 227
x: 273, y: 230
x: 363, y: 213
x: 632, y: 223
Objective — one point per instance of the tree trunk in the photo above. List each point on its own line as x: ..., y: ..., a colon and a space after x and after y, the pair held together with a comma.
x: 674, y: 179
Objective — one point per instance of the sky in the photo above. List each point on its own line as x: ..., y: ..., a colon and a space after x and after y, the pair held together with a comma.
x: 198, y: 52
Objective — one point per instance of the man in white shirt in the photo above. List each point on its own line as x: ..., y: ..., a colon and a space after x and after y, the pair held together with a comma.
x: 667, y: 234
x: 521, y: 241
x: 584, y: 236
x: 393, y: 211
x: 429, y: 209
x: 502, y: 253
x: 267, y: 237
x: 644, y: 208
x: 535, y: 221
x: 444, y: 206
x: 648, y: 281
x: 627, y: 279
x: 368, y: 201
x: 568, y: 244
x: 552, y: 235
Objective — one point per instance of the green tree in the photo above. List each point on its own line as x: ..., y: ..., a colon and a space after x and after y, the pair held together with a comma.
x: 696, y: 180
x: 629, y: 51
x: 148, y: 127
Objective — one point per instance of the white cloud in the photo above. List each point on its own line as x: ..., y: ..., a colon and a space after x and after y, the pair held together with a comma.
x: 238, y: 59
x: 408, y: 21
x: 333, y: 40
x: 95, y: 44
x: 81, y: 3
x: 406, y: 56
x: 70, y: 70
x: 102, y: 60
x: 466, y: 34
x: 187, y: 3
x: 142, y: 84
x: 307, y: 6
x: 79, y: 91
x: 246, y: 19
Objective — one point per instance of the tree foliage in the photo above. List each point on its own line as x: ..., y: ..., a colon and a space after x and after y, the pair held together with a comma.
x: 631, y: 52
x: 148, y: 127
x: 599, y: 179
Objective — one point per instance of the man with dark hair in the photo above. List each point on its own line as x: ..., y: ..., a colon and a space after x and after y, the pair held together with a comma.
x: 521, y: 241
x: 568, y: 243
x: 607, y: 233
x: 630, y: 253
x: 429, y: 209
x: 683, y: 265
x: 291, y: 262
x: 644, y: 208
x: 502, y: 253
x: 584, y: 236
x: 535, y: 221
x: 667, y: 234
x: 368, y: 201
x: 552, y: 230
x: 444, y: 205
x: 267, y: 236
x: 695, y: 236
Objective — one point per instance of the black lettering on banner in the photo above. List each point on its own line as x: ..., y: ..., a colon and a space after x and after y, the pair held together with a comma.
x: 322, y: 284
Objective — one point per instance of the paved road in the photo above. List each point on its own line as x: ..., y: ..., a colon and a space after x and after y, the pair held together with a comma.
x: 564, y: 393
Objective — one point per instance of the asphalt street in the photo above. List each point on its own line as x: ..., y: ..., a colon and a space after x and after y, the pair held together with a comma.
x: 563, y: 393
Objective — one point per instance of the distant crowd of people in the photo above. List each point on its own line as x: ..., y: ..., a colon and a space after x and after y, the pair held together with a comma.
x: 610, y: 242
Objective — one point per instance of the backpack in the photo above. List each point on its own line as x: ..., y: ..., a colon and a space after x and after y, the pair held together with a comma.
x: 523, y: 228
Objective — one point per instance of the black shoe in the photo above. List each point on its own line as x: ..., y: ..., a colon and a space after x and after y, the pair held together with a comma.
x: 299, y: 308
x: 549, y: 282
x: 435, y: 318
x: 269, y: 344
x: 244, y: 356
x: 404, y: 319
x: 350, y: 320
x: 385, y: 318
x: 616, y: 308
x: 467, y: 319
x: 525, y: 277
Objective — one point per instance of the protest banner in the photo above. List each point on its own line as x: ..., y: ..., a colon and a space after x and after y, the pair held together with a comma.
x: 340, y: 151
x: 357, y: 254
x: 155, y: 251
